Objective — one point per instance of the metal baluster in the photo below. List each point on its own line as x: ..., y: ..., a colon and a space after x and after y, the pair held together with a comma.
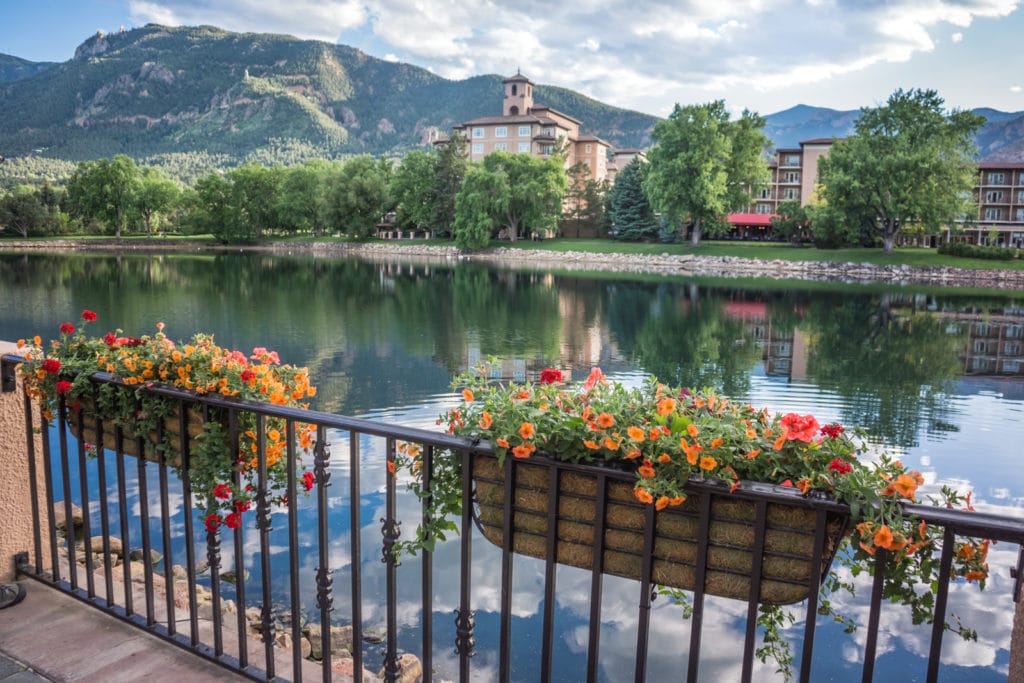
x: 812, y: 596
x: 122, y: 496
x: 293, y: 553
x: 33, y: 483
x: 550, y: 565
x: 48, y: 482
x: 699, y: 576
x: 390, y: 531
x: 186, y: 491
x: 324, y: 581
x: 939, y: 622
x: 505, y: 638
x: 357, y: 555
x: 646, y: 595
x: 165, y: 529
x: 600, y: 508
x: 465, y: 618
x: 65, y: 473
x: 101, y: 461
x: 239, y: 531
x: 264, y: 527
x: 754, y: 597
x: 427, y: 469
x: 874, y: 615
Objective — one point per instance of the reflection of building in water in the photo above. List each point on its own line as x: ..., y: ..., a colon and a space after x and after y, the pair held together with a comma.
x: 994, y: 346
x: 784, y: 347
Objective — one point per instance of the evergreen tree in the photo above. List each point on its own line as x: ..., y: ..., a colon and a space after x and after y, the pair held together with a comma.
x: 629, y: 211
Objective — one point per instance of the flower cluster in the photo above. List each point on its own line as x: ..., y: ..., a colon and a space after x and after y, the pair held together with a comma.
x: 223, y: 479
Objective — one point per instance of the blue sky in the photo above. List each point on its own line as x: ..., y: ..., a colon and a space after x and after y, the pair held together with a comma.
x: 765, y: 55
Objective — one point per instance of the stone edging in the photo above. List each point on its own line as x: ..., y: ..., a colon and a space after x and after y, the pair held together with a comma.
x: 690, y: 265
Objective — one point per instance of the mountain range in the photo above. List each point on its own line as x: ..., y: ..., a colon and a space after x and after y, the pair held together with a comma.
x: 161, y: 90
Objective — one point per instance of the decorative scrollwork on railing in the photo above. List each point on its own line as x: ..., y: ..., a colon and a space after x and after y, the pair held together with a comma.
x: 465, y: 622
x: 390, y: 530
x: 321, y: 462
x: 324, y: 582
x: 213, y: 552
x: 262, y: 510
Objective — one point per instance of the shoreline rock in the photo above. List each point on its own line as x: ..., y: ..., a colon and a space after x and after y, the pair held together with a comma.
x: 664, y: 264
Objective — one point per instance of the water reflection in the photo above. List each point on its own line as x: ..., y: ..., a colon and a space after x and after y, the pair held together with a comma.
x: 936, y: 378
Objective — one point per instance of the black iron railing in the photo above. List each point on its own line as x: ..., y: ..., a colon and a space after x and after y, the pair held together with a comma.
x: 103, y: 485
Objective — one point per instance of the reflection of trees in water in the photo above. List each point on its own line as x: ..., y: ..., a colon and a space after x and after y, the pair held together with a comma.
x: 683, y: 336
x: 893, y: 371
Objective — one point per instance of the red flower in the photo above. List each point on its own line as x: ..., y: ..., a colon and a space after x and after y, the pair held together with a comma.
x: 799, y: 427
x: 222, y: 491
x: 242, y: 505
x: 833, y: 430
x: 307, y: 480
x: 840, y: 466
x: 550, y: 376
x: 233, y: 520
x: 788, y: 482
x: 110, y: 339
x: 247, y: 375
x: 88, y: 316
x: 51, y: 365
x: 67, y: 328
x: 212, y: 522
x: 63, y: 386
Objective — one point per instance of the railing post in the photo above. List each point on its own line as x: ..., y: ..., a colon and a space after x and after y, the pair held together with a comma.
x: 18, y: 498
x: 1017, y: 639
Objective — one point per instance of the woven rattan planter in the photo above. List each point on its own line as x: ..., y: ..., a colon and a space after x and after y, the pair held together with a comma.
x: 130, y: 444
x: 789, y: 543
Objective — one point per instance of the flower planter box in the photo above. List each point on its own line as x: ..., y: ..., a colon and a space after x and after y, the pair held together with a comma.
x: 87, y: 412
x: 789, y: 542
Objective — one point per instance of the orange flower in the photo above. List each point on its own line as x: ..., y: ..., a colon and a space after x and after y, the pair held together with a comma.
x: 905, y: 485
x: 636, y: 433
x: 664, y: 457
x: 656, y: 433
x: 524, y: 450
x: 501, y: 442
x: 883, y: 537
x: 751, y: 434
x: 592, y: 445
x: 666, y: 406
x: 646, y: 470
x: 716, y: 442
x: 662, y: 503
x: 610, y: 443
x: 467, y: 395
x: 526, y: 430
x: 678, y: 500
x: 643, y: 495
x: 633, y: 454
x: 753, y: 454
x: 485, y: 420
x: 804, y: 485
x: 779, y: 443
x: 391, y: 466
x: 604, y: 420
x: 966, y: 551
x: 975, y: 575
x: 692, y: 430
x: 708, y: 463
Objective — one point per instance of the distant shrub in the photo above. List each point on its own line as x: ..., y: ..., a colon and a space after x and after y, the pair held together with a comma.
x: 965, y: 250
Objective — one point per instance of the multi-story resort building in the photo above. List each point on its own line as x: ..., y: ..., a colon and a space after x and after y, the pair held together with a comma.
x: 998, y: 195
x: 530, y: 128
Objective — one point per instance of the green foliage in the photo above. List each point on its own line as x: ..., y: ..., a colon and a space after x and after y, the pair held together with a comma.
x: 23, y: 212
x: 629, y: 211
x: 535, y: 190
x: 703, y: 163
x: 483, y: 196
x: 105, y: 190
x: 357, y: 196
x: 966, y: 250
x: 452, y: 163
x: 790, y: 221
x: 585, y: 203
x: 413, y: 189
x: 157, y: 194
x: 908, y: 164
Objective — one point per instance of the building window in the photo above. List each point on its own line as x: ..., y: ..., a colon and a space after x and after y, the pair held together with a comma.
x: 1020, y: 216
x: 792, y: 160
x: 792, y: 176
x: 993, y: 214
x: 763, y: 208
x: 791, y: 193
x: 1011, y: 348
x: 765, y: 193
x: 996, y: 178
x: 588, y: 148
x: 500, y: 147
x: 501, y: 132
x: 993, y: 196
x: 549, y: 132
x: 524, y: 131
x: 524, y: 147
x: 478, y: 132
x: 1020, y: 178
x: 478, y: 148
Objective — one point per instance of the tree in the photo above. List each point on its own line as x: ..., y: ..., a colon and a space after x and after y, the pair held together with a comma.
x: 211, y: 208
x: 105, y: 190
x: 585, y: 199
x: 790, y: 221
x: 357, y: 197
x: 254, y: 197
x: 703, y: 165
x: 413, y: 188
x: 301, y: 196
x: 629, y: 211
x: 156, y: 194
x: 22, y: 211
x: 907, y: 163
x: 535, y: 190
x: 452, y: 163
x: 483, y: 196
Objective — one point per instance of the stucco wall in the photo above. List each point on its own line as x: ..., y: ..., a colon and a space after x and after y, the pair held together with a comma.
x: 16, y: 526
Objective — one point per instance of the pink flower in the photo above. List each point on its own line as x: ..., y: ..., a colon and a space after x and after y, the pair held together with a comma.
x: 67, y: 328
x: 222, y: 491
x: 595, y: 376
x: 550, y: 376
x: 88, y: 316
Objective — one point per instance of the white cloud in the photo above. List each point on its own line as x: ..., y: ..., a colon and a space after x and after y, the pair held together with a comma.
x: 1015, y: 88
x: 957, y: 37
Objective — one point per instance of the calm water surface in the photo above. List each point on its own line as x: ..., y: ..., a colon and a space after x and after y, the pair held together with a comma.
x: 936, y: 376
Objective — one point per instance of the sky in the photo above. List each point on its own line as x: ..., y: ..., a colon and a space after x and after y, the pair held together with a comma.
x: 647, y: 55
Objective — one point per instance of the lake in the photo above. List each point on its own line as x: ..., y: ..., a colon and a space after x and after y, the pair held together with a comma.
x: 936, y: 376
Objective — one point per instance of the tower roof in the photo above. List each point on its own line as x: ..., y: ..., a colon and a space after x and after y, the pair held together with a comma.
x: 518, y: 78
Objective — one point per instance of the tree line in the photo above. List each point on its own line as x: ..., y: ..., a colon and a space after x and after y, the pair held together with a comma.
x: 908, y: 167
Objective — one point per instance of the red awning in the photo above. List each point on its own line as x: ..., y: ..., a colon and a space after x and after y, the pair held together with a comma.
x: 761, y: 220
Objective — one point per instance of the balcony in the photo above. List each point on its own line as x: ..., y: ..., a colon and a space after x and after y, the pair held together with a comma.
x: 310, y: 558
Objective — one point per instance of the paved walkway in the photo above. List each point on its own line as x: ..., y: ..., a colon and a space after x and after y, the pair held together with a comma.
x: 50, y: 636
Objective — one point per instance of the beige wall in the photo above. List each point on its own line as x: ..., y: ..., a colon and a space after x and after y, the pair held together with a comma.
x: 16, y: 527
x: 812, y: 154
